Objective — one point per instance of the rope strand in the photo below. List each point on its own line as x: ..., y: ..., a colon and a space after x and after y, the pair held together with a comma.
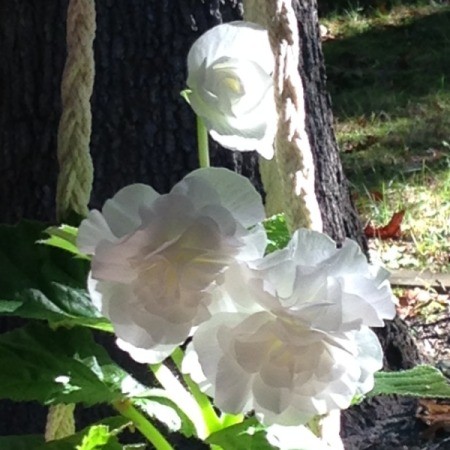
x: 76, y: 171
x: 75, y: 164
x: 60, y: 422
x: 289, y: 178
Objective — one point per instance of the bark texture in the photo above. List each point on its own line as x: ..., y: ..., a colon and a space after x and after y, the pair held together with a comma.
x: 340, y: 219
x: 144, y: 132
x: 142, y: 129
x: 364, y: 426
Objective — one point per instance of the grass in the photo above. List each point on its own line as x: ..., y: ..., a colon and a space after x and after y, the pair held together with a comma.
x: 389, y: 77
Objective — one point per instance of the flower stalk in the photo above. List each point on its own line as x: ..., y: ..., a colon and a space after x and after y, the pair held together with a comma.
x: 210, y: 418
x: 185, y: 401
x: 126, y: 409
x: 229, y: 420
x: 202, y: 142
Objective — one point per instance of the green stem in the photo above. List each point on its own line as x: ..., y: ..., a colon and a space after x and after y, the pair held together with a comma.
x: 210, y: 417
x: 126, y: 409
x: 202, y: 141
x: 231, y: 419
x: 184, y: 400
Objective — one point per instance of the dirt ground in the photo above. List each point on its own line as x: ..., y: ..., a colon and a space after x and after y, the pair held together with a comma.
x: 407, y: 423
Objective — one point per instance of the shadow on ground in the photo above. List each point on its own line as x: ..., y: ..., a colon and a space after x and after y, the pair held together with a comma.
x: 387, y: 68
x: 396, y: 81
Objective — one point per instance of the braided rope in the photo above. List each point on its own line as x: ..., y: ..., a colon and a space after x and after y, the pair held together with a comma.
x: 274, y: 201
x: 75, y: 164
x: 289, y: 178
x: 76, y: 170
x: 292, y: 172
x: 60, y: 422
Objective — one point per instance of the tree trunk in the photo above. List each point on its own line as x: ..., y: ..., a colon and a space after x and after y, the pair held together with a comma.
x: 143, y: 131
x: 340, y: 219
x: 363, y: 426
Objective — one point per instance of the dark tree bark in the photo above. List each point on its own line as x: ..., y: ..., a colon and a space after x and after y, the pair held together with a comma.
x: 340, y: 217
x: 142, y: 129
x: 363, y: 426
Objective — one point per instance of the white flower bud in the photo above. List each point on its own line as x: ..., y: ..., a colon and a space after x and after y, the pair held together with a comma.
x: 230, y: 74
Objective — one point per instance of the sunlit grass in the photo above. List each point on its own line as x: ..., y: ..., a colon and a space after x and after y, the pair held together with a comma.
x: 425, y: 240
x: 390, y: 83
x: 355, y: 19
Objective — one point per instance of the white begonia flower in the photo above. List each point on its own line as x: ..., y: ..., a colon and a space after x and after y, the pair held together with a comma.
x: 298, y: 343
x: 230, y: 71
x: 333, y: 289
x: 157, y: 258
x: 283, y: 370
x: 294, y: 438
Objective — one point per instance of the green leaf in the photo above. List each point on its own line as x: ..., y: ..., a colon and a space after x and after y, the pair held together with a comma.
x: 248, y: 435
x: 185, y: 93
x: 277, y: 232
x: 102, y: 435
x: 98, y: 437
x: 160, y: 406
x: 60, y: 366
x: 27, y: 442
x: 421, y: 381
x: 63, y: 237
x: 42, y: 282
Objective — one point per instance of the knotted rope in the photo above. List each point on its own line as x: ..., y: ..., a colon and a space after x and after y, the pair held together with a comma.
x: 75, y: 164
x: 289, y: 178
x: 76, y: 170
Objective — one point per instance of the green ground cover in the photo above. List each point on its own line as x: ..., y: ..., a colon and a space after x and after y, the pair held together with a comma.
x: 388, y: 70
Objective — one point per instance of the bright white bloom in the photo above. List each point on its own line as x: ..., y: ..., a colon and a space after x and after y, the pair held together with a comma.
x: 284, y: 370
x: 298, y: 343
x: 230, y: 71
x: 332, y: 289
x: 157, y: 258
x: 294, y: 438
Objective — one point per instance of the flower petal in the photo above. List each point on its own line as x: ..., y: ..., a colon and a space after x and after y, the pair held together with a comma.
x: 356, y: 307
x: 236, y: 194
x: 294, y: 438
x: 146, y: 356
x: 227, y: 40
x: 145, y: 345
x: 310, y: 248
x: 122, y: 211
x: 255, y: 243
x: 93, y: 230
x: 370, y: 357
x: 264, y: 146
x: 229, y: 382
x: 192, y: 367
x: 156, y: 282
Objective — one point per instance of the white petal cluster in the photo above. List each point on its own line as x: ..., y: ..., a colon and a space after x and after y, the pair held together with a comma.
x: 285, y: 335
x: 294, y: 438
x: 230, y: 71
x: 297, y: 343
x: 158, y: 258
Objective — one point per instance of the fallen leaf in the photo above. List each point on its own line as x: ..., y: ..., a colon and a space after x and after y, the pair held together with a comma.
x: 391, y: 230
x: 434, y: 414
